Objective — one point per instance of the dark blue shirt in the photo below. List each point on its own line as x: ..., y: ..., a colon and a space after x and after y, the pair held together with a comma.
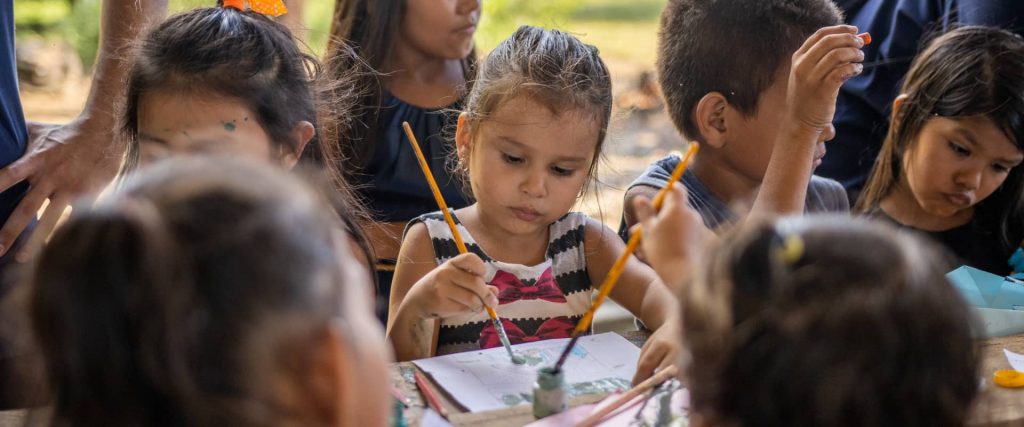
x: 392, y: 183
x: 12, y: 120
x: 13, y: 135
x: 899, y: 29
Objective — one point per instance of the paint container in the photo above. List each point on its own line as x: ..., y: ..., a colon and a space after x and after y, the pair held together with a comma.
x: 549, y: 394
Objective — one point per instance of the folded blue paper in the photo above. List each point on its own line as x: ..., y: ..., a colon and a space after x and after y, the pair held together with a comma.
x: 998, y: 301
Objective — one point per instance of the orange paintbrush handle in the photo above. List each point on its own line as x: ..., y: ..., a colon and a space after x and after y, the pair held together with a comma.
x: 434, y: 188
x: 634, y: 241
x: 440, y: 200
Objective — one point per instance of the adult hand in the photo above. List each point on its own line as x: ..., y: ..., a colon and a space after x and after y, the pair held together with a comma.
x: 61, y: 162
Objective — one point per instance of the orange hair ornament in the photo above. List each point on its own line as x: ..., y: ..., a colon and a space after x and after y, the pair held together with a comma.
x: 273, y: 8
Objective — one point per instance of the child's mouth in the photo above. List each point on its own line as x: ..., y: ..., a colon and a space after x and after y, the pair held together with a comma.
x: 959, y: 199
x: 526, y: 214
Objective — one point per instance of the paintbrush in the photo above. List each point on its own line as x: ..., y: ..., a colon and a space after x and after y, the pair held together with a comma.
x: 616, y: 270
x: 658, y: 378
x: 498, y: 326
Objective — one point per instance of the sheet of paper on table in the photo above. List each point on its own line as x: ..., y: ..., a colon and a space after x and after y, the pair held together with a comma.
x: 669, y: 411
x: 433, y: 419
x: 1016, y: 360
x: 997, y: 301
x: 485, y: 380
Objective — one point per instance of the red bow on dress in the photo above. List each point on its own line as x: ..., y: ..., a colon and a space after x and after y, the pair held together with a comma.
x: 555, y: 327
x: 511, y: 289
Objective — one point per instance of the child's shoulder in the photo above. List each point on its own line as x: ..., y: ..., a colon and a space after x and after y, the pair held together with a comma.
x: 583, y: 227
x: 826, y: 195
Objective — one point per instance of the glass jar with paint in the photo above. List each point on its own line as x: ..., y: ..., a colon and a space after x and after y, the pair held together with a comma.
x: 549, y: 394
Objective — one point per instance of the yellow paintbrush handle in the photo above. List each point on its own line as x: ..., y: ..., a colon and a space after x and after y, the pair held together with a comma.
x: 440, y: 200
x: 634, y: 241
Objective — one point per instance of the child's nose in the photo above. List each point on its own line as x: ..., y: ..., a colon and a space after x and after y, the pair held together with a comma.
x: 467, y: 6
x: 828, y: 133
x: 969, y: 179
x: 533, y: 185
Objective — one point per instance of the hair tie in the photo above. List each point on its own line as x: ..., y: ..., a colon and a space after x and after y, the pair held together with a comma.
x: 272, y: 8
x: 792, y: 249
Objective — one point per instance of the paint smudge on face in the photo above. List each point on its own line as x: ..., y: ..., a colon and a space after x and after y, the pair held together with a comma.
x: 229, y: 126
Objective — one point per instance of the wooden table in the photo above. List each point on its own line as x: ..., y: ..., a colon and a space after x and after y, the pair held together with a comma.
x: 995, y: 406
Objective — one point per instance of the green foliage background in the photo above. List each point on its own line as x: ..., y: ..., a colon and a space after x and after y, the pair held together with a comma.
x: 622, y: 29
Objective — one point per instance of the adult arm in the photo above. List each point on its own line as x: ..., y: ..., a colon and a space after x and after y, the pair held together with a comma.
x: 64, y: 161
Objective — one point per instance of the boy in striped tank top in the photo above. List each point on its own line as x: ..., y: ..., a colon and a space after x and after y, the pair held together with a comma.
x: 528, y: 142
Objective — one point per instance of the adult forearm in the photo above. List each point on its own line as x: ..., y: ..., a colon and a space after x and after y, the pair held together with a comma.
x: 121, y: 23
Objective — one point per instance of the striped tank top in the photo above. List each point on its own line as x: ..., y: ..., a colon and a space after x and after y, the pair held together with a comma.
x: 543, y: 301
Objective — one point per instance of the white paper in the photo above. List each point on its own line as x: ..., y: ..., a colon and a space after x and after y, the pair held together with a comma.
x: 433, y: 419
x: 1016, y: 360
x: 484, y: 380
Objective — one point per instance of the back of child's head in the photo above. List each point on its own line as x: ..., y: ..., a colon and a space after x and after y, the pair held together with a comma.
x: 550, y: 67
x: 193, y: 296
x: 223, y: 52
x: 734, y: 47
x: 827, y: 322
x: 968, y: 72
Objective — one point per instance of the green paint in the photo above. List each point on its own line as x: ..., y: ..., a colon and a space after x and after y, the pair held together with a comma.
x: 515, y: 399
x: 229, y: 126
x: 601, y: 386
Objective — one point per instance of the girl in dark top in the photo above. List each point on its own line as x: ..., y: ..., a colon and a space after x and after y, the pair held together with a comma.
x: 424, y: 51
x: 949, y: 164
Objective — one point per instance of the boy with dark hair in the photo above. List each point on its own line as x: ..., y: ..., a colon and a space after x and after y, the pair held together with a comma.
x: 754, y: 82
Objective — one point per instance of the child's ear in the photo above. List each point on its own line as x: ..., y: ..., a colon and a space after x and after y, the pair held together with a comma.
x: 302, y: 133
x: 463, y: 141
x: 897, y: 104
x: 709, y: 116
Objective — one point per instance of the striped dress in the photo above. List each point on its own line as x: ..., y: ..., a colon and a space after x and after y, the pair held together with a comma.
x: 537, y: 302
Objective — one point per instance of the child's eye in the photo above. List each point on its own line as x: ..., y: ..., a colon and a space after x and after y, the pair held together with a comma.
x: 1001, y: 168
x: 512, y: 160
x: 562, y: 171
x: 959, y: 149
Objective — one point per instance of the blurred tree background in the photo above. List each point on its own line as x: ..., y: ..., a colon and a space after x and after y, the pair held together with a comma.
x: 624, y: 30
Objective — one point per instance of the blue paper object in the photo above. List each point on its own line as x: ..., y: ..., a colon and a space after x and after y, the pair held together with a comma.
x: 1017, y: 262
x: 997, y: 301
